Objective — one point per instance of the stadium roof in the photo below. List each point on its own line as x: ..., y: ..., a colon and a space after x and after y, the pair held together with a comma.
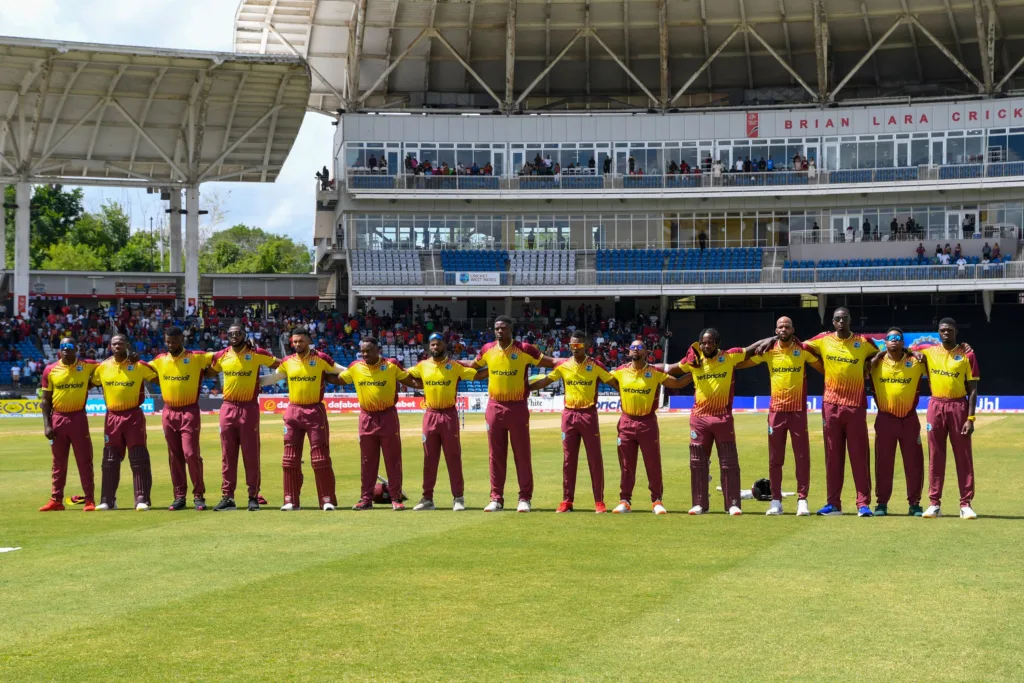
x: 770, y: 50
x: 112, y: 115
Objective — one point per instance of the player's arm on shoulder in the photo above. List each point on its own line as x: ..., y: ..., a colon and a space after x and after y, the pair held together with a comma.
x: 677, y: 382
x: 545, y: 381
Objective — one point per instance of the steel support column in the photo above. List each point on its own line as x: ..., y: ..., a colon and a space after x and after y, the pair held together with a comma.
x: 22, y: 255
x: 820, y: 48
x: 3, y: 228
x: 663, y: 49
x: 174, y: 213
x: 191, y: 248
x: 792, y: 72
x: 949, y: 55
x: 979, y: 27
x: 707, y: 63
x: 510, y: 54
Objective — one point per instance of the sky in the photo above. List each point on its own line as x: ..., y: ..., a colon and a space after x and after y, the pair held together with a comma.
x: 285, y: 207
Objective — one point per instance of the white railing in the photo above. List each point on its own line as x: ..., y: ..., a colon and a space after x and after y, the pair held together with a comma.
x: 884, y: 233
x: 364, y: 180
x: 588, y: 277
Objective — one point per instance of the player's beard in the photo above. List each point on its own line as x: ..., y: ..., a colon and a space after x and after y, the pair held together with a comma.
x: 438, y: 355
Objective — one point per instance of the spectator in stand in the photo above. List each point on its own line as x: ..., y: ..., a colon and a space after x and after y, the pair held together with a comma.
x: 996, y: 254
x: 961, y: 266
x: 958, y: 252
x: 986, y: 251
x: 15, y: 376
x: 944, y: 258
x: 947, y: 250
x: 920, y: 253
x: 371, y: 163
x: 770, y: 165
x: 702, y: 239
x: 938, y: 250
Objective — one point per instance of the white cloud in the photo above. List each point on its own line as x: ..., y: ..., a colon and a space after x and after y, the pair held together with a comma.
x: 287, y: 206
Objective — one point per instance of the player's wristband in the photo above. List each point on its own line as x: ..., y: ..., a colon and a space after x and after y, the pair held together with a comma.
x: 971, y: 418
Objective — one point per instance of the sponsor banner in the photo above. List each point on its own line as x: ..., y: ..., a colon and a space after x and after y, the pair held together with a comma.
x: 986, y: 404
x: 348, y: 403
x: 30, y: 407
x: 752, y: 124
x: 477, y: 279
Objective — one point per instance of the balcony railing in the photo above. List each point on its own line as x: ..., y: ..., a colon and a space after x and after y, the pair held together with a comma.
x: 928, y: 235
x: 990, y: 271
x: 571, y: 181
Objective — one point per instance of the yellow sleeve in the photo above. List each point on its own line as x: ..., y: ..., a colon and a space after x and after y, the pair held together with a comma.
x: 737, y: 357
x: 465, y: 373
x: 659, y: 376
x: 757, y: 360
x: 400, y: 373
x: 148, y: 372
x: 346, y: 376
x: 603, y: 375
x: 207, y: 360
x: 414, y: 371
x: 555, y: 373
x: 95, y: 379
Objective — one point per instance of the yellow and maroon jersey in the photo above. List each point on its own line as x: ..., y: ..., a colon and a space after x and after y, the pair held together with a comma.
x: 897, y: 384
x: 950, y: 371
x: 638, y: 389
x: 305, y: 375
x: 441, y: 381
x: 844, y: 366
x: 377, y: 384
x: 68, y: 385
x: 787, y: 369
x: 241, y: 372
x: 507, y: 369
x: 123, y: 383
x: 180, y: 376
x: 581, y: 381
x: 713, y: 380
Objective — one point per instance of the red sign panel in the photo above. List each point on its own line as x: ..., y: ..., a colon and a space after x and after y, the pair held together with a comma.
x: 22, y: 304
x: 752, y: 124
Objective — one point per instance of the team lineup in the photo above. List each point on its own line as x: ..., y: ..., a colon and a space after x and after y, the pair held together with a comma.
x: 850, y: 362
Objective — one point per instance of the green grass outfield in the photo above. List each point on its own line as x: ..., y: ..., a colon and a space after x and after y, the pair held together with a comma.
x: 472, y: 596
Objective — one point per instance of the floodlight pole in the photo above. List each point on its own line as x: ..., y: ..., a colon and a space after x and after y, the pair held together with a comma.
x: 174, y: 211
x: 22, y: 257
x: 191, y: 249
x: 3, y: 226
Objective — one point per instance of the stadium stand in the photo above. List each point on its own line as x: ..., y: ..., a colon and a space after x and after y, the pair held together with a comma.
x: 859, y: 270
x: 370, y: 267
x: 474, y: 261
x: 675, y: 266
x: 543, y: 267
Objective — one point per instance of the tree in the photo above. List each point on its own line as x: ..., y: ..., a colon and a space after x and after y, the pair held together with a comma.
x: 64, y: 256
x: 53, y: 213
x: 140, y: 255
x: 243, y: 249
x: 107, y: 231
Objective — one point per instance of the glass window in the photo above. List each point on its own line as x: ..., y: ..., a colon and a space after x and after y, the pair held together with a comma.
x: 884, y: 157
x: 865, y: 155
x: 848, y: 155
x: 918, y: 152
x: 955, y: 151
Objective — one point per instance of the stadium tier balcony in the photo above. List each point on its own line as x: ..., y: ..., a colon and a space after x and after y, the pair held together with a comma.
x: 891, y: 269
x: 458, y: 264
x: 543, y: 267
x: 386, y: 268
x: 679, y: 266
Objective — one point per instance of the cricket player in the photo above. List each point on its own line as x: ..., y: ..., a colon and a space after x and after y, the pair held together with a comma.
x: 123, y: 380
x: 896, y: 376
x: 639, y: 385
x: 581, y: 376
x: 240, y: 364
x: 305, y: 416
x: 180, y: 373
x: 844, y: 411
x: 65, y: 385
x: 953, y: 375
x: 508, y: 414
x: 439, y: 377
x: 786, y: 358
x: 711, y: 423
x: 376, y: 380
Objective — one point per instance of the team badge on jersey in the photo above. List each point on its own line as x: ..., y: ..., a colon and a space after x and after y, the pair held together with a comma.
x: 78, y: 368
x: 958, y: 358
x: 928, y: 426
x: 909, y: 364
x: 130, y: 368
x: 590, y: 368
x: 447, y: 366
x: 514, y: 356
x: 186, y: 361
x: 693, y: 435
x: 383, y: 367
x: 796, y: 353
x: 648, y: 375
x: 248, y: 356
x: 721, y: 359
x: 312, y: 363
x: 856, y: 345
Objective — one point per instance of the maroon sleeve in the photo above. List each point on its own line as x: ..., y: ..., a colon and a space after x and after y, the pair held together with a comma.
x: 690, y: 358
x: 531, y: 350
x: 974, y: 365
x: 736, y: 349
x: 46, y: 377
x: 395, y: 361
x: 325, y: 358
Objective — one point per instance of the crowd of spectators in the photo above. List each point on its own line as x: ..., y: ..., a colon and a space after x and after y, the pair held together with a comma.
x: 426, y: 167
x: 946, y: 256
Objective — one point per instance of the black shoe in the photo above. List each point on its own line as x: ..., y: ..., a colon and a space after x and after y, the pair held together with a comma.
x: 199, y: 503
x: 178, y: 504
x: 225, y: 504
x: 363, y: 505
x: 254, y: 505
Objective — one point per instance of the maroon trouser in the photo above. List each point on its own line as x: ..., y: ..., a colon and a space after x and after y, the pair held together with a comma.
x: 181, y: 429
x: 509, y: 421
x: 718, y: 431
x: 795, y: 424
x: 240, y: 430
x: 946, y: 417
x: 301, y: 421
x: 846, y: 426
x: 581, y: 425
x: 639, y: 434
x: 441, y: 431
x: 905, y: 431
x: 125, y: 431
x: 380, y: 435
x: 71, y: 430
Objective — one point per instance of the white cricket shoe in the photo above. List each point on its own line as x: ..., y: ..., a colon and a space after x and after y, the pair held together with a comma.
x: 932, y: 512
x: 458, y: 505
x: 967, y: 513
x: 696, y: 510
x: 103, y: 506
x: 494, y: 506
x: 775, y: 509
x: 328, y: 506
x: 622, y: 508
x: 524, y: 506
x: 659, y: 509
x: 289, y: 507
x: 424, y: 504
x: 735, y: 511
x: 801, y: 508
x: 141, y: 507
